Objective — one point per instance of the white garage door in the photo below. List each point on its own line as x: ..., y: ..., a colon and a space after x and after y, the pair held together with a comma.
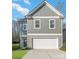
x: 45, y: 43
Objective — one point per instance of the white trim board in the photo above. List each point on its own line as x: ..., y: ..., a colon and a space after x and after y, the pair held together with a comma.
x: 44, y: 17
x: 43, y: 34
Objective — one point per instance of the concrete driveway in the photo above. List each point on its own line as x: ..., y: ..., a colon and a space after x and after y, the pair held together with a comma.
x: 45, y: 54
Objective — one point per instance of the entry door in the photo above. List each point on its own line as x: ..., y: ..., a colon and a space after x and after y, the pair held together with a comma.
x: 45, y: 43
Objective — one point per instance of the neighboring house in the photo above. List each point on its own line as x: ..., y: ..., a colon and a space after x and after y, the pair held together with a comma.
x: 42, y: 28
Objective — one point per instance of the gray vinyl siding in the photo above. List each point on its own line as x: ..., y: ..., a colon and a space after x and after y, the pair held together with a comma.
x: 22, y: 31
x: 31, y: 37
x: 45, y: 11
x: 44, y: 26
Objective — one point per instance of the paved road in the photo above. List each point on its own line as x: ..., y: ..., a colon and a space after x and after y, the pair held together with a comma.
x: 45, y: 54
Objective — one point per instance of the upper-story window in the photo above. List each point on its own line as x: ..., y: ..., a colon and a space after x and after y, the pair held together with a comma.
x: 51, y: 23
x: 24, y: 26
x: 37, y: 23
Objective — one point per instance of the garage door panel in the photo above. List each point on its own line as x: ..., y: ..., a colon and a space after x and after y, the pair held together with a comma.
x: 45, y: 43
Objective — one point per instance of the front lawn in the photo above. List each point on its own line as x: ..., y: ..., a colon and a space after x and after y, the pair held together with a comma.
x: 18, y: 54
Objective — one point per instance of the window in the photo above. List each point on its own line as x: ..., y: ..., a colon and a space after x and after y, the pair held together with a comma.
x: 51, y: 24
x: 37, y: 23
x: 24, y: 26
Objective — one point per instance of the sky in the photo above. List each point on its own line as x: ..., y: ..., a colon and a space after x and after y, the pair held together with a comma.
x: 20, y: 8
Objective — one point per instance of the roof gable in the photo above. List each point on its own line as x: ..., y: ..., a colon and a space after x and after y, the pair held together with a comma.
x: 49, y: 6
x: 44, y: 11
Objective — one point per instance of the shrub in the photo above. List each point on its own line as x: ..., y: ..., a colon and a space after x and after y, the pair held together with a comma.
x: 15, y: 46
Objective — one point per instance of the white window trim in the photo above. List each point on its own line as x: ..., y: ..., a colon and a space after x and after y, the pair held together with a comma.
x: 54, y: 24
x: 39, y: 24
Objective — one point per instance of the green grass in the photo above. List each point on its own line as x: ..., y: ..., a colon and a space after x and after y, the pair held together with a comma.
x: 18, y: 54
x: 64, y: 47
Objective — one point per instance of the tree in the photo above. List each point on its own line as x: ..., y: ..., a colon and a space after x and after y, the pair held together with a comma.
x: 15, y: 32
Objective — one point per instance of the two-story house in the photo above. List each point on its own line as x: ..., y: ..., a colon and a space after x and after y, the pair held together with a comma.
x: 42, y: 28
